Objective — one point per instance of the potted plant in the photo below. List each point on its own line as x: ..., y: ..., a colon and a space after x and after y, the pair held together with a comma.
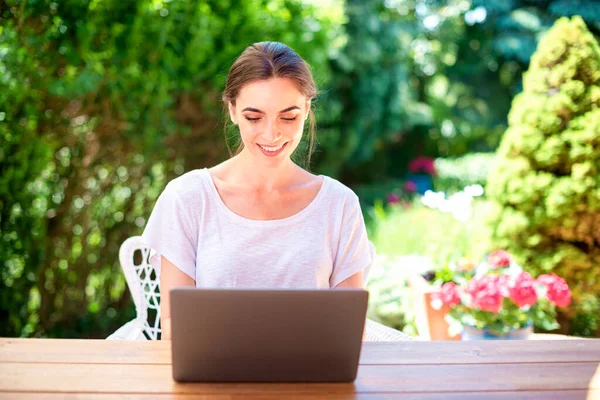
x: 430, y: 322
x: 497, y: 299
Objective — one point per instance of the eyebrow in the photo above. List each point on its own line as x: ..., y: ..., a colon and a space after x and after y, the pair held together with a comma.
x: 262, y: 112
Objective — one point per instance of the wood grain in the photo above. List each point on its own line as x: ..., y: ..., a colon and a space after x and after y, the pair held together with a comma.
x: 382, y: 353
x: 156, y: 379
x: 49, y: 369
x: 554, y: 395
x: 480, y: 352
x: 85, y: 351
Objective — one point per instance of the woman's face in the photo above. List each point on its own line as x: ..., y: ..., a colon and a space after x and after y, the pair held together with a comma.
x: 270, y: 114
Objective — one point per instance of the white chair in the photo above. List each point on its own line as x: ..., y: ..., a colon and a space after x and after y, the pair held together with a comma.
x: 143, y: 282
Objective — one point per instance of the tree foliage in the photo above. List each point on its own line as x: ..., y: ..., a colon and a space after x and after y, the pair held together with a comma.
x: 546, y: 183
x: 369, y: 96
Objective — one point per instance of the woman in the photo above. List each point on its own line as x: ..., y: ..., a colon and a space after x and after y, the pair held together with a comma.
x: 258, y: 219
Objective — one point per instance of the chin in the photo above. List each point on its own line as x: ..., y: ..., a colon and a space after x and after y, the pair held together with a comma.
x: 272, y: 162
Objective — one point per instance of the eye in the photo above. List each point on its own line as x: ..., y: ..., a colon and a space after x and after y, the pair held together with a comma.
x: 290, y: 119
x: 252, y: 120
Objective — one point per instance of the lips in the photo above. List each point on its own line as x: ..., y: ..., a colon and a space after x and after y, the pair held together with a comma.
x: 271, y: 148
x: 270, y: 153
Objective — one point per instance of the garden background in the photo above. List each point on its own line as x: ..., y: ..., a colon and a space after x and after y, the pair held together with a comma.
x: 102, y: 102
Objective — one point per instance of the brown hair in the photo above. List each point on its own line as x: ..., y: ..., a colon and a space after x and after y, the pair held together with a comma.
x: 265, y: 60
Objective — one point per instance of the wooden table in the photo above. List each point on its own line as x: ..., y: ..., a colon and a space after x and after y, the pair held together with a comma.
x: 106, y: 370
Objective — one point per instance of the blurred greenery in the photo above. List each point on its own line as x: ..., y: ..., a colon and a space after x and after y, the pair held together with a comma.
x: 454, y: 174
x: 389, y: 293
x: 102, y: 102
x: 419, y: 230
x: 414, y: 239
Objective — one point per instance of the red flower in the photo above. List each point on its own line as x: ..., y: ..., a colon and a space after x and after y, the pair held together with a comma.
x: 487, y: 292
x: 499, y: 259
x: 558, y: 290
x: 410, y: 187
x: 422, y: 164
x: 449, y: 294
x: 522, y: 290
x: 393, y: 198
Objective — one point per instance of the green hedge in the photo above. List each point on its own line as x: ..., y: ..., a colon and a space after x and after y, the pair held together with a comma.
x: 101, y: 103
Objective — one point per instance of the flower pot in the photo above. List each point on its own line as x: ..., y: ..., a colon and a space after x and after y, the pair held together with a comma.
x: 470, y: 333
x: 431, y: 323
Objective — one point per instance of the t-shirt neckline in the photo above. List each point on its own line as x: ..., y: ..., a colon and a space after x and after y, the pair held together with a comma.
x: 221, y: 204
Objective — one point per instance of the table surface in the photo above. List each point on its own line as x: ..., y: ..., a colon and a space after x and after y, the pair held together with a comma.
x: 108, y: 370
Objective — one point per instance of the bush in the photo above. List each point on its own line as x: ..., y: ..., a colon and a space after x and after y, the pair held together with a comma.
x: 101, y: 104
x: 546, y: 184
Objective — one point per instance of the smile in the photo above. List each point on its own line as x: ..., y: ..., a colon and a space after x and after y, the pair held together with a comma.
x: 272, y: 151
x: 271, y: 148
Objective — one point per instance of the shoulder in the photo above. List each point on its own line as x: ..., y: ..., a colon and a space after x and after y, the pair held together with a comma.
x: 341, y: 201
x: 188, y: 187
x: 340, y: 193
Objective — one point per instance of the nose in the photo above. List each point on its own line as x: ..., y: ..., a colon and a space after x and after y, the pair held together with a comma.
x: 273, y: 133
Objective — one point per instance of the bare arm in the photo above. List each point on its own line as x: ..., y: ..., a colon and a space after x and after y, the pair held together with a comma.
x: 355, y: 281
x: 170, y: 276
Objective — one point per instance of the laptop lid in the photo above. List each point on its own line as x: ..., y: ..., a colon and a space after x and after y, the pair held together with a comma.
x: 258, y: 335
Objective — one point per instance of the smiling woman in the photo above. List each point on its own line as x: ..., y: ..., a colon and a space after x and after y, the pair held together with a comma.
x: 258, y: 82
x: 265, y: 128
x: 258, y: 220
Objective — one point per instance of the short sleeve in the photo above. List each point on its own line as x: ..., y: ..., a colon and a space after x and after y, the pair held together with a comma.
x: 170, y: 232
x: 354, y: 251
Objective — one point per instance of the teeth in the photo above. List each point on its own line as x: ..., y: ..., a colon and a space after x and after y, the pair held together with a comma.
x: 272, y: 149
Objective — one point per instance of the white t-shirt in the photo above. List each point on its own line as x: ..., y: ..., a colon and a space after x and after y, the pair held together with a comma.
x: 318, y: 247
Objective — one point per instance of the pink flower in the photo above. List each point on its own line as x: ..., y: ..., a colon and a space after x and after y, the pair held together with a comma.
x: 487, y: 292
x: 558, y: 290
x: 449, y: 294
x: 499, y: 259
x: 422, y: 164
x: 410, y: 187
x: 502, y: 282
x: 393, y: 198
x: 489, y: 300
x: 522, y: 290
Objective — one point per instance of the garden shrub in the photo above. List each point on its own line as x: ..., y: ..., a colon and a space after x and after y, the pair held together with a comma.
x: 545, y: 186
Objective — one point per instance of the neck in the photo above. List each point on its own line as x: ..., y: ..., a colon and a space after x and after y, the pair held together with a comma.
x: 248, y: 172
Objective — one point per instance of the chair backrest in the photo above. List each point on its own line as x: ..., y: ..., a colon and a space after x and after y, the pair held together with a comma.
x: 143, y: 282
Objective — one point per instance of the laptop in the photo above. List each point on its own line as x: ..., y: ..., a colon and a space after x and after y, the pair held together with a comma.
x: 274, y: 335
